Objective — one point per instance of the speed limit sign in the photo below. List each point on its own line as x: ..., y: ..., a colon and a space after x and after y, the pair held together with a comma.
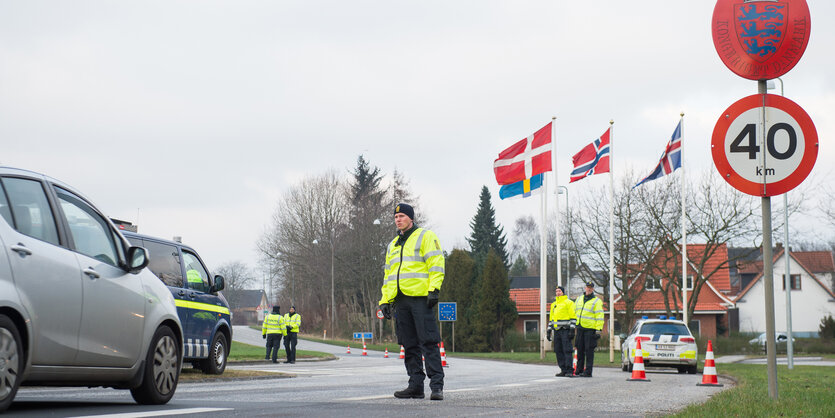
x: 764, y: 145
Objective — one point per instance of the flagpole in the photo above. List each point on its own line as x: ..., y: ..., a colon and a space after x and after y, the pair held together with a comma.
x: 543, y: 267
x: 611, y: 242
x: 557, y: 196
x: 683, y: 229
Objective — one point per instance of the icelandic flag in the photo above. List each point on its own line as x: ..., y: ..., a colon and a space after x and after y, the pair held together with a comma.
x: 592, y: 159
x: 670, y: 159
x: 522, y: 188
x: 525, y: 159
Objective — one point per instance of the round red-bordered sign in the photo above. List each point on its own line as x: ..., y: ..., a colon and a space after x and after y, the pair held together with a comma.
x: 760, y: 40
x: 791, y: 145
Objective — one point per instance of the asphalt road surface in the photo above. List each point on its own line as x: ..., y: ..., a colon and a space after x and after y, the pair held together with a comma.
x: 359, y: 386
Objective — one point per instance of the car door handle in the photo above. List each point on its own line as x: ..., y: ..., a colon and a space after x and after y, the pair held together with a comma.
x: 21, y: 249
x: 92, y: 273
x: 181, y: 293
x: 192, y: 294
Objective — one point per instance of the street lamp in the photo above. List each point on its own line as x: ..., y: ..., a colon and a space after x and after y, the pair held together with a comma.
x: 567, y: 284
x: 786, y: 280
x: 333, y: 300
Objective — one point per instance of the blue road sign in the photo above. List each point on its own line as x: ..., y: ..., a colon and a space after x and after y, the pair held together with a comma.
x: 447, y: 311
x: 361, y: 335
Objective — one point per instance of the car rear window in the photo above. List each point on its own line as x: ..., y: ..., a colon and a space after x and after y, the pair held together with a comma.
x: 660, y: 328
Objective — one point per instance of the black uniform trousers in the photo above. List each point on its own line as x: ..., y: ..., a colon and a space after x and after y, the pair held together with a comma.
x: 273, y: 344
x: 586, y: 342
x: 563, y: 349
x: 417, y: 332
x: 290, y: 341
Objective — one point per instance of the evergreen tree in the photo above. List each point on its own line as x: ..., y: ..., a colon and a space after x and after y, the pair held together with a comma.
x: 458, y: 288
x: 486, y: 234
x: 519, y: 268
x: 496, y: 311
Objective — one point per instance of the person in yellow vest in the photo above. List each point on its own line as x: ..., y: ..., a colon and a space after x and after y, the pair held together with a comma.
x: 272, y: 330
x: 588, y: 309
x: 562, y: 322
x: 292, y: 322
x: 413, y: 275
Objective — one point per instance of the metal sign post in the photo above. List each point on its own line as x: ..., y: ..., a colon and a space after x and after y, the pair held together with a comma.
x: 448, y: 312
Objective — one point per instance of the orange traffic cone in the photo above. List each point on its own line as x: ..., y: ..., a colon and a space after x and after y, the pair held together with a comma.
x: 709, y: 377
x: 574, y: 362
x: 364, y: 351
x: 443, y: 356
x: 387, y: 353
x: 638, y: 373
x: 402, y: 352
x: 348, y: 351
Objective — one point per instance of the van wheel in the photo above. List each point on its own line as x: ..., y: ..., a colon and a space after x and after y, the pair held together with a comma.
x: 216, y: 363
x: 11, y: 361
x: 692, y: 369
x: 162, y: 369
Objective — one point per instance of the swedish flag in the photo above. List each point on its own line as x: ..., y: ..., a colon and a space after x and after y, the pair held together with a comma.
x: 522, y: 188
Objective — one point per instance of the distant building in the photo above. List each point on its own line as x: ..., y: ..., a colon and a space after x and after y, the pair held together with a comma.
x: 248, y: 306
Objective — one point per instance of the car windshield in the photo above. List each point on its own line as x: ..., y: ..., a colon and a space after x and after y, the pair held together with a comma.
x: 661, y: 328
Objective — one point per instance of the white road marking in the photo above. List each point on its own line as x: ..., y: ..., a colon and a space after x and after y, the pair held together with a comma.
x: 512, y: 385
x: 364, y: 398
x: 158, y: 413
x: 544, y: 380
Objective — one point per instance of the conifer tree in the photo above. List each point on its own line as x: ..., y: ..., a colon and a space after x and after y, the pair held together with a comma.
x: 496, y: 312
x: 486, y: 233
x: 458, y: 288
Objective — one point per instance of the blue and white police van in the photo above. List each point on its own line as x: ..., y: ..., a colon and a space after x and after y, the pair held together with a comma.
x: 203, y: 311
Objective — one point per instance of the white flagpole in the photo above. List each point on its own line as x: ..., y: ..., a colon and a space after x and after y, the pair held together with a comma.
x: 543, y: 268
x: 683, y: 229
x: 611, y: 243
x: 557, y: 195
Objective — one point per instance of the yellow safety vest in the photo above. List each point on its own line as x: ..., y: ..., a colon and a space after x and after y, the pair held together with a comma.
x: 416, y: 267
x: 273, y: 324
x: 294, y: 321
x: 193, y: 276
x: 562, y: 312
x: 589, y: 314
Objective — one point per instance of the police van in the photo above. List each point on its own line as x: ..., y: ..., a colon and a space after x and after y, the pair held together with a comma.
x: 204, y: 313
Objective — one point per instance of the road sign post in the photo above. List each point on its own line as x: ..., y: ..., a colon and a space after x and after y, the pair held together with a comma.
x: 448, y: 312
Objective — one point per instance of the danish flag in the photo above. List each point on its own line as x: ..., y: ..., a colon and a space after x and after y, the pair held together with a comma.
x: 525, y: 159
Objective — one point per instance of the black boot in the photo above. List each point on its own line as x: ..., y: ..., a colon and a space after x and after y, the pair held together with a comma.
x: 437, y: 395
x: 409, y: 392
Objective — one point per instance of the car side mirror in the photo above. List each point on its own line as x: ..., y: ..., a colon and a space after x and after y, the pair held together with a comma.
x: 622, y: 336
x: 137, y: 259
x: 219, y: 283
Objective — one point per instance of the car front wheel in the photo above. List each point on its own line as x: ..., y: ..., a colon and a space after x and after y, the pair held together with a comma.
x: 11, y: 361
x: 162, y: 369
x: 216, y: 363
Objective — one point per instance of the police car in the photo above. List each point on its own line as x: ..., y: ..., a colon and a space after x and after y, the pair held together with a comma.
x: 664, y: 343
x: 203, y: 311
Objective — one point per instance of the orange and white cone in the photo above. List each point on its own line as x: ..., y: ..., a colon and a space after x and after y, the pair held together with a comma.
x: 638, y: 373
x: 348, y: 351
x: 402, y: 352
x: 574, y: 363
x: 443, y: 356
x: 387, y: 353
x: 364, y: 351
x: 709, y: 377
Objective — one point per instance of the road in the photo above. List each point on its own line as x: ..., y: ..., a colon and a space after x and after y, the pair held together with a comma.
x: 360, y: 386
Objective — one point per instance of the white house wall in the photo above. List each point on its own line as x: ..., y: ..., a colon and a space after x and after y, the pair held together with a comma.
x: 809, y: 304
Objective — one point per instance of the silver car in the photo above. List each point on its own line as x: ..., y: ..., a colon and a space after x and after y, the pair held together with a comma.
x: 77, y: 305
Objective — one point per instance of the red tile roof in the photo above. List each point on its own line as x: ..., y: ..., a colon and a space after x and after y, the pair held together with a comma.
x: 815, y: 261
x: 800, y: 261
x: 527, y: 300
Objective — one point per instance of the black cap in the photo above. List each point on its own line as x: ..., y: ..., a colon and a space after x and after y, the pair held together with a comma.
x: 561, y: 288
x: 276, y: 309
x: 405, y: 209
x: 590, y: 284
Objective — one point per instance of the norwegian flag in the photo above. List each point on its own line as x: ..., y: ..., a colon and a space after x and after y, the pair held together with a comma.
x: 525, y: 159
x: 592, y: 159
x: 670, y: 160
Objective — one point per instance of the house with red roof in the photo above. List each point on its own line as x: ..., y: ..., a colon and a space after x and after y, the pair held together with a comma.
x: 811, y: 292
x: 711, y: 314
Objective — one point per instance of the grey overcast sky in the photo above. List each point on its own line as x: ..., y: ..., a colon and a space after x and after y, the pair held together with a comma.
x: 192, y: 117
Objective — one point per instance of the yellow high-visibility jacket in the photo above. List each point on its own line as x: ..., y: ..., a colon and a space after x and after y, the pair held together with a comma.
x: 416, y: 267
x: 273, y: 324
x: 294, y: 321
x: 589, y: 314
x: 562, y: 312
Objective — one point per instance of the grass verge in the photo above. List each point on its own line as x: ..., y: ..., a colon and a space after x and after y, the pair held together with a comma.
x: 244, y: 352
x: 189, y: 374
x: 803, y: 391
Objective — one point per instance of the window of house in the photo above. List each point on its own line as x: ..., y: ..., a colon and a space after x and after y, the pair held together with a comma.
x: 532, y: 330
x: 795, y: 279
x: 690, y: 282
x: 652, y: 283
x: 695, y: 327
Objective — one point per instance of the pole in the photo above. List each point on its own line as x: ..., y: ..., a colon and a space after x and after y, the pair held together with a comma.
x: 683, y: 232
x: 611, y: 243
x: 788, y: 282
x: 768, y: 265
x: 557, y: 207
x: 543, y: 268
x: 565, y: 283
x: 333, y: 300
